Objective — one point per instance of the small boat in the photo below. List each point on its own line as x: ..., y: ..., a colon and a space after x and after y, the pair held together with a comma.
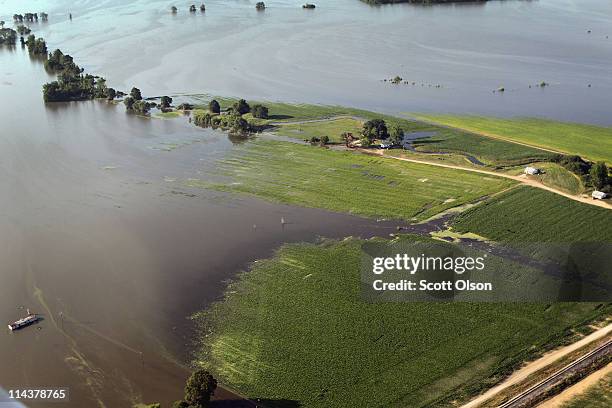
x: 24, y: 321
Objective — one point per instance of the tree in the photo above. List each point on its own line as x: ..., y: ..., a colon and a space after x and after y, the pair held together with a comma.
x: 111, y: 94
x: 165, y: 102
x: 135, y: 93
x: 173, y: 9
x: 8, y: 36
x: 214, y: 107
x: 324, y: 140
x: 396, y: 134
x: 128, y: 102
x: 192, y: 8
x: 599, y: 175
x: 375, y: 129
x: 101, y: 90
x: 202, y: 7
x: 259, y: 111
x: 241, y: 107
x: 180, y: 404
x: 199, y: 388
x: 260, y: 5
x: 141, y: 106
x: 1, y: 23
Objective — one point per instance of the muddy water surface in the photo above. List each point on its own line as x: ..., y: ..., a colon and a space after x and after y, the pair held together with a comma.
x: 100, y: 236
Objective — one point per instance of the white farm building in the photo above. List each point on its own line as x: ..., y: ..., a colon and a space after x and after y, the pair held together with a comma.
x: 532, y: 170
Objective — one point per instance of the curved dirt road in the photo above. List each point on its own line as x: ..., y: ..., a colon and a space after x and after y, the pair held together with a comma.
x: 521, y: 179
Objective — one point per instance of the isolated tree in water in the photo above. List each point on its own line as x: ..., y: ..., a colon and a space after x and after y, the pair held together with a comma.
x: 214, y: 107
x: 165, y: 101
x: 135, y: 93
x: 111, y: 94
x: 129, y: 103
x: 200, y: 388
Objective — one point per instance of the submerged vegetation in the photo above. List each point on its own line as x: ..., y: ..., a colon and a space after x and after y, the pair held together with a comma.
x: 295, y: 328
x: 72, y: 83
x: 349, y: 182
x: 8, y: 36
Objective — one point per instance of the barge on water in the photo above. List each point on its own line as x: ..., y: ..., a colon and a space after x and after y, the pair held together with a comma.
x: 24, y: 321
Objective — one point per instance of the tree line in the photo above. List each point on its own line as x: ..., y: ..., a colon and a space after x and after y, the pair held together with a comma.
x: 232, y: 119
x: 72, y: 83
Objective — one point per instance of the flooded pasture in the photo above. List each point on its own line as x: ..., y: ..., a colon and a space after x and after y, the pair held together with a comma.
x: 102, y: 238
x: 98, y: 232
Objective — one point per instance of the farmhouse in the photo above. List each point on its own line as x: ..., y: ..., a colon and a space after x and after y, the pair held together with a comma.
x: 532, y: 170
x: 599, y: 195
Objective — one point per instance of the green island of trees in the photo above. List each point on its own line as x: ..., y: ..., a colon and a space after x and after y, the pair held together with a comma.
x: 36, y: 46
x: 72, y: 83
x: 8, y: 36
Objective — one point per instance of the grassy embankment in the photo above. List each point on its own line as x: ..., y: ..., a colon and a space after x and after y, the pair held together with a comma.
x: 294, y: 330
x: 591, y: 142
x: 348, y: 181
x: 526, y: 214
x: 597, y: 396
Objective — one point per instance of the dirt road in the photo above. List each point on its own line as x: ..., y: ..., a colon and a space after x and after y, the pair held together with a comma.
x: 531, y: 368
x: 521, y: 179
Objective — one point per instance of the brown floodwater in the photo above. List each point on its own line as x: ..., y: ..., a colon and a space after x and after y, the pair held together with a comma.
x: 99, y: 235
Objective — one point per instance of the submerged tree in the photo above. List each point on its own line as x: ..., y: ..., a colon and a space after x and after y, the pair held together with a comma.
x: 111, y: 94
x: 135, y: 93
x: 260, y: 5
x: 241, y: 107
x: 128, y: 101
x: 214, y: 107
x: 165, y: 102
x: 8, y: 36
x: 173, y: 9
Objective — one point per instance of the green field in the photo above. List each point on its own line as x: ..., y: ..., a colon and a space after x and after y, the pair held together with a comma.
x: 348, y: 182
x: 591, y: 142
x: 598, y: 396
x: 332, y: 128
x: 294, y: 332
x: 490, y: 151
x: 527, y: 214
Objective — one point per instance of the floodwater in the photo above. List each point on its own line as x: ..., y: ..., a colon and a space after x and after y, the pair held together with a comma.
x: 98, y: 232
x: 340, y: 52
x: 100, y: 236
